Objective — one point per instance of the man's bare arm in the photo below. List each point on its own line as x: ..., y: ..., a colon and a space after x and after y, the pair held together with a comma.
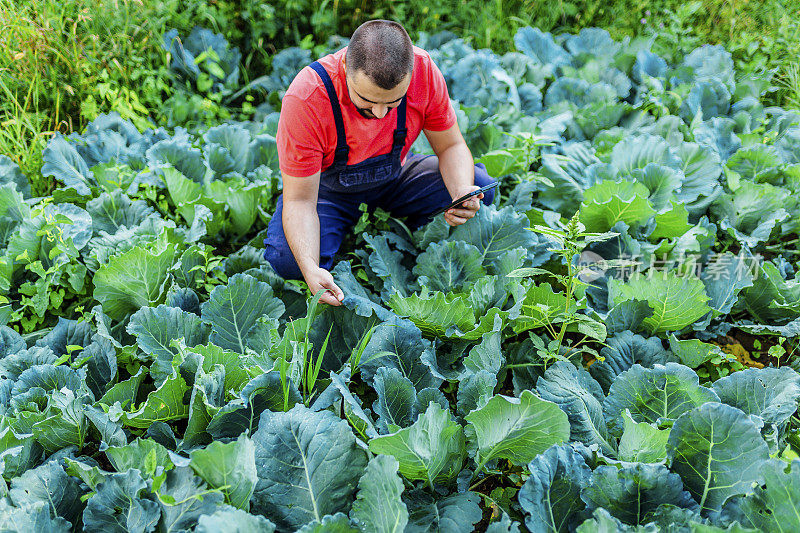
x: 301, y: 227
x: 300, y: 220
x: 458, y: 171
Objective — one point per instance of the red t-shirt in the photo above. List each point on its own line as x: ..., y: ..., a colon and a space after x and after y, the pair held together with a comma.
x: 307, y: 132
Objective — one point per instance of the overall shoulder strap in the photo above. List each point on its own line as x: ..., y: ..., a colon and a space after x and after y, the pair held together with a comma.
x: 401, y: 131
x: 342, y: 150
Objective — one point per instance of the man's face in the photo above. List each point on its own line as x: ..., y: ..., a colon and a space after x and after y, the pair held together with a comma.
x: 370, y: 100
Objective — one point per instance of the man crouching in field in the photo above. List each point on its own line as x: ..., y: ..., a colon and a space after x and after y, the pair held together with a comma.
x: 346, y: 125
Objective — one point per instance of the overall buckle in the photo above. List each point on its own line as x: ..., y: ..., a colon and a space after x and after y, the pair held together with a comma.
x: 341, y: 154
x: 400, y: 136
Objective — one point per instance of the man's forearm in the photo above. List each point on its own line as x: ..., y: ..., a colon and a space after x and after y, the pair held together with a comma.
x: 301, y: 227
x: 457, y: 168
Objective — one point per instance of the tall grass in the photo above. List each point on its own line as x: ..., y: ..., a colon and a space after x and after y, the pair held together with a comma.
x: 63, y: 62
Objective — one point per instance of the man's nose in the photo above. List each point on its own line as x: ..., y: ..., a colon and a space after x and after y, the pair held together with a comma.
x: 380, y: 111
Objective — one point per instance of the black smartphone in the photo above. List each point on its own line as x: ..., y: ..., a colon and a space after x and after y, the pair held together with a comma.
x: 458, y: 201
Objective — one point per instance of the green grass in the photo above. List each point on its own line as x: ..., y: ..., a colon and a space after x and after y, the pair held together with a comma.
x: 66, y: 61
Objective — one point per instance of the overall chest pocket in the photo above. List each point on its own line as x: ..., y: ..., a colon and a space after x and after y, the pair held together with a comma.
x: 371, y: 174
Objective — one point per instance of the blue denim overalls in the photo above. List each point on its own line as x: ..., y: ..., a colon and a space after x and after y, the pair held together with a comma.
x: 341, y: 177
x: 412, y: 190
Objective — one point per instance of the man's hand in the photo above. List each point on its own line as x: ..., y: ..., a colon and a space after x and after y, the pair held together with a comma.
x: 458, y: 215
x: 319, y: 278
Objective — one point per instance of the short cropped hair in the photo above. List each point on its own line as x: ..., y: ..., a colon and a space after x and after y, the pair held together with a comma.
x: 383, y: 51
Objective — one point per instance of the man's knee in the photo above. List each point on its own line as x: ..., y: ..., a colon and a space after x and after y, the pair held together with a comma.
x: 280, y: 256
x: 482, y: 178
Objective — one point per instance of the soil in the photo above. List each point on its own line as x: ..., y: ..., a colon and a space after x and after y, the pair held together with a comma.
x: 742, y: 345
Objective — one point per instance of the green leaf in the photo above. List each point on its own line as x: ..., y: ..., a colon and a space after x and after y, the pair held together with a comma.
x: 701, y: 169
x: 671, y: 223
x: 609, y: 202
x: 162, y: 405
x: 62, y: 161
x: 772, y: 299
x: 550, y: 497
x: 436, y: 314
x: 725, y: 276
x: 790, y: 329
x: 499, y: 162
x: 12, y: 177
x: 496, y: 231
x: 774, y: 506
x: 378, y: 506
x: 602, y: 522
x: 308, y: 464
x: 230, y: 467
x: 627, y: 316
x: 111, y: 432
x: 588, y: 326
x: 488, y: 354
x: 233, y: 520
x: 718, y: 452
x: 661, y: 181
x: 207, y: 398
x: 474, y: 391
x: 181, y: 189
x: 432, y: 449
x: 233, y: 309
x: 91, y: 475
x: 757, y: 163
x: 332, y: 523
x: 33, y: 517
x: 124, y: 392
x: 183, y: 499
x: 65, y: 333
x: 228, y: 144
x: 353, y: 410
x: 11, y: 342
x: 528, y: 272
x: 503, y: 525
x: 517, y: 429
x: 47, y: 378
x: 242, y: 200
x: 449, y: 266
x: 387, y: 265
x: 451, y: 514
x: 399, y: 345
x: 65, y: 424
x: 753, y: 211
x: 642, y: 442
x: 677, y: 301
x: 653, y: 395
x: 110, y: 212
x: 18, y: 453
x: 263, y: 392
x: 101, y: 365
x: 132, y: 280
x: 693, y: 352
x: 236, y: 370
x: 770, y: 393
x: 633, y: 493
x: 541, y: 306
x: 142, y: 454
x: 154, y: 328
x: 120, y: 505
x: 576, y: 392
x: 48, y: 483
x: 395, y: 403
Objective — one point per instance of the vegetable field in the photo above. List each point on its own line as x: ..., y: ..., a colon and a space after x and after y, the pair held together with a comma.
x: 611, y: 346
